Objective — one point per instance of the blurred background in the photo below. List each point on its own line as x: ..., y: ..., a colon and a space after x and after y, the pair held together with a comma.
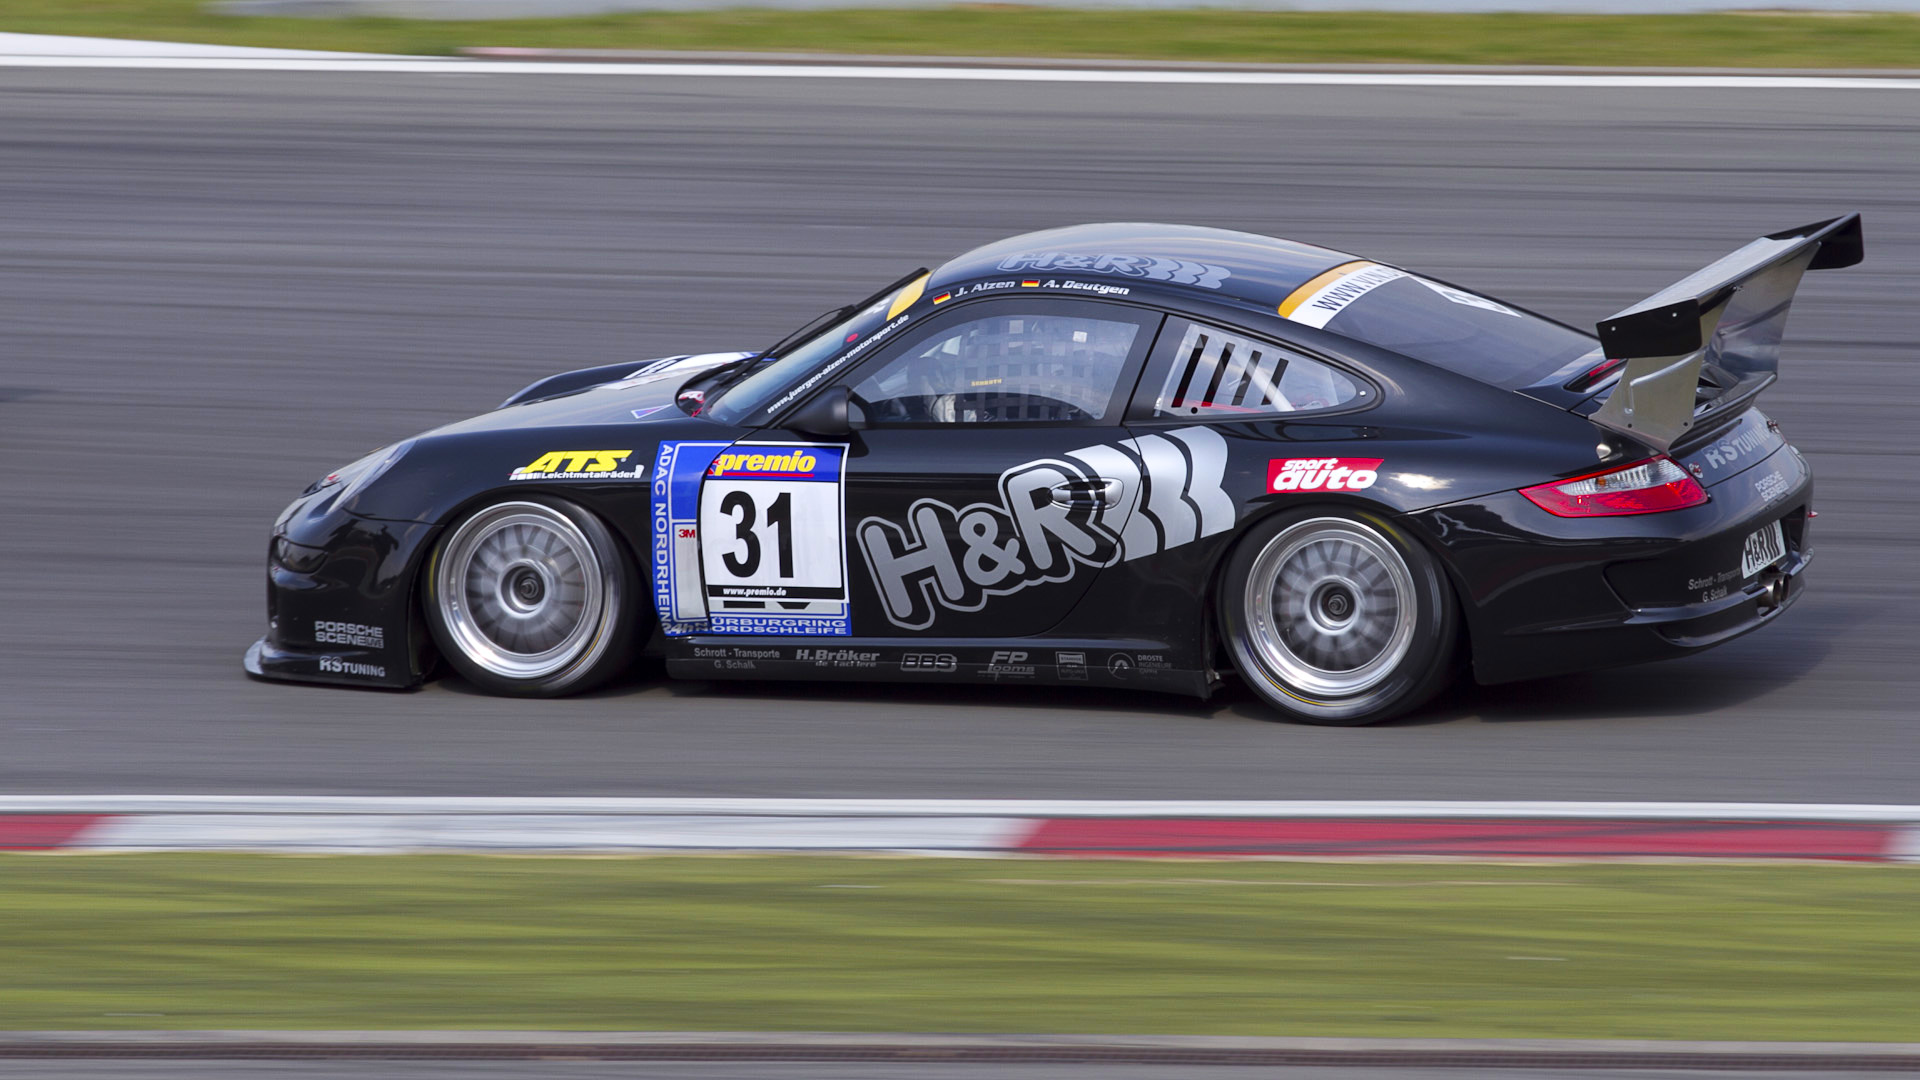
x: 219, y: 284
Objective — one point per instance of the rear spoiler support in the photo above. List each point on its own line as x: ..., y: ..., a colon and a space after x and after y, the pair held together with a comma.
x: 1731, y: 314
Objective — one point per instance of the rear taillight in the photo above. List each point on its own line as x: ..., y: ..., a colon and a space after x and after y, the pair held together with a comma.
x: 1644, y: 487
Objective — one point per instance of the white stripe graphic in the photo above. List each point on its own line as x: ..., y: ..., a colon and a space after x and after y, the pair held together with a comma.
x: 1209, y: 452
x: 1166, y: 479
x: 1137, y: 535
x: 451, y: 66
x: 346, y: 833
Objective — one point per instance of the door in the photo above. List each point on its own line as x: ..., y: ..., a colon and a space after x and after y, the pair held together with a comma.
x: 984, y: 489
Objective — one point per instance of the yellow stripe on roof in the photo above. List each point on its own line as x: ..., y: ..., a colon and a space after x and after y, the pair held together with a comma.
x: 1305, y: 292
x: 908, y: 295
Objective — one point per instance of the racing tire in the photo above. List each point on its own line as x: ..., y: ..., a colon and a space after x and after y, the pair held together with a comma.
x: 532, y: 597
x: 1337, y: 618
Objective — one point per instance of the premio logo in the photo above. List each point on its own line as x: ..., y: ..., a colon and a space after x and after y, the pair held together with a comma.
x: 798, y: 465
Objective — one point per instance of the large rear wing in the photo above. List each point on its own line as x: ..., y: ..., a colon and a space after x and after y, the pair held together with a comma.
x: 1726, y: 319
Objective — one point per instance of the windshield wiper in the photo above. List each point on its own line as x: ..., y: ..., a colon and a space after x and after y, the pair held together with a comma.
x: 812, y: 328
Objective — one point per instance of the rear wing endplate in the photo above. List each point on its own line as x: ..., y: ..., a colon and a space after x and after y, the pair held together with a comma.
x: 1731, y: 315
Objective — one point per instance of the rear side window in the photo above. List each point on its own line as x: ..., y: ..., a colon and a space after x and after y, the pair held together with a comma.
x: 1451, y: 328
x: 1204, y: 371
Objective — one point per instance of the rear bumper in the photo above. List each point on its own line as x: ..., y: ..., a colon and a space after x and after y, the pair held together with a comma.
x: 1546, y: 596
x: 1642, y: 634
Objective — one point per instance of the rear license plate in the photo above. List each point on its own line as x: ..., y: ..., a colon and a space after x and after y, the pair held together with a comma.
x: 1764, y: 548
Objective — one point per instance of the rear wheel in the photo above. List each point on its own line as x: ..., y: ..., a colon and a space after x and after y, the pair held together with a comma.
x: 1338, y: 619
x: 532, y: 598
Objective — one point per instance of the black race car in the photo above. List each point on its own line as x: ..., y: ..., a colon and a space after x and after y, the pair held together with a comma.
x: 1109, y: 455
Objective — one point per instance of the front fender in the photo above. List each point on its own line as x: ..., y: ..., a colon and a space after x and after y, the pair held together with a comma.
x: 342, y: 611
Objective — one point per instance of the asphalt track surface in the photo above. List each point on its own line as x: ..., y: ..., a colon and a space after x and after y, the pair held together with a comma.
x: 217, y: 286
x: 580, y: 1070
x: 189, y: 1069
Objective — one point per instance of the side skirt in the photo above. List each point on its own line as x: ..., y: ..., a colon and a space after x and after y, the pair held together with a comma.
x: 1135, y: 664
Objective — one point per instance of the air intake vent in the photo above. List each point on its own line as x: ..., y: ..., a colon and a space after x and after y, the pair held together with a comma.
x: 1217, y: 370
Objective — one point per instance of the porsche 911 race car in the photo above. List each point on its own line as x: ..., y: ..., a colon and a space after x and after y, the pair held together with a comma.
x: 1138, y: 456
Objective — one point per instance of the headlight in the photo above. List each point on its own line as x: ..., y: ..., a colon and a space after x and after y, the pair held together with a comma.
x: 341, y: 484
x: 297, y: 557
x: 352, y: 478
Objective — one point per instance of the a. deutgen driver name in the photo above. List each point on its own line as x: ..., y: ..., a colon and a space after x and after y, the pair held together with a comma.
x: 1088, y: 286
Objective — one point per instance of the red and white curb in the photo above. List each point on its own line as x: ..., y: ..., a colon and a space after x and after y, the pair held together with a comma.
x: 1328, y: 830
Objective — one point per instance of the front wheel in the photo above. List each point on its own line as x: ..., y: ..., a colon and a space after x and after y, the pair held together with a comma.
x: 1337, y: 619
x: 532, y: 598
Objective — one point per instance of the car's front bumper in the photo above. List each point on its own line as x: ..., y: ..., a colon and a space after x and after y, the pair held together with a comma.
x: 340, y: 607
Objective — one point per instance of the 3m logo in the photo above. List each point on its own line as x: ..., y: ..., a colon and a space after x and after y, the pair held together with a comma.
x: 574, y: 464
x: 928, y: 661
x: 1322, y: 474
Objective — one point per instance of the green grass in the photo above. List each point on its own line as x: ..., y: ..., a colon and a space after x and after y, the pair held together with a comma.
x: 1763, y: 40
x: 1620, y: 951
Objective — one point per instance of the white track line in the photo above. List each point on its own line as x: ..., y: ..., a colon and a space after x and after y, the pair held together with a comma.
x: 998, y: 808
x: 376, y: 833
x: 453, y: 66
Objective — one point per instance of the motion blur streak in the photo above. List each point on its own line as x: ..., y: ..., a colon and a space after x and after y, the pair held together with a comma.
x: 218, y: 286
x: 348, y: 64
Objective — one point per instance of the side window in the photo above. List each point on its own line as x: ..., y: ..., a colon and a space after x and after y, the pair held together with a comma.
x: 1205, y: 371
x: 1015, y: 364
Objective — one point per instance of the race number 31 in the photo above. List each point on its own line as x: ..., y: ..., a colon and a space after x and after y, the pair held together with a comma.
x: 770, y: 540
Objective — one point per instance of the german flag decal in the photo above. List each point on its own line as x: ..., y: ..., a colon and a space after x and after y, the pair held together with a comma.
x: 1030, y: 283
x: 943, y: 298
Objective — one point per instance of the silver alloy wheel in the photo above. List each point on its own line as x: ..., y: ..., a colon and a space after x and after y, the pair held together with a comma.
x: 1331, y: 607
x: 520, y: 590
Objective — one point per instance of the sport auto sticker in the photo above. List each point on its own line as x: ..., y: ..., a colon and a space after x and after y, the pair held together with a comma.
x: 748, y: 540
x: 1322, y: 474
x: 1170, y: 496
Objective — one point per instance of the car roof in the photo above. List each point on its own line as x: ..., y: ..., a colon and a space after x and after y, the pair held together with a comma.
x: 1214, y: 264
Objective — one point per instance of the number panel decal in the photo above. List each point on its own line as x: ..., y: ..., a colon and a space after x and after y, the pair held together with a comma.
x: 771, y: 540
x: 675, y: 565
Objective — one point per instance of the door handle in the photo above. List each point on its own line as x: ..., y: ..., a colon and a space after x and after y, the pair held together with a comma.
x: 1094, y: 494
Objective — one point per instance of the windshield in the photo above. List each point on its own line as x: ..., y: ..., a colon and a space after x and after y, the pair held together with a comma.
x: 1451, y: 328
x: 761, y: 389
